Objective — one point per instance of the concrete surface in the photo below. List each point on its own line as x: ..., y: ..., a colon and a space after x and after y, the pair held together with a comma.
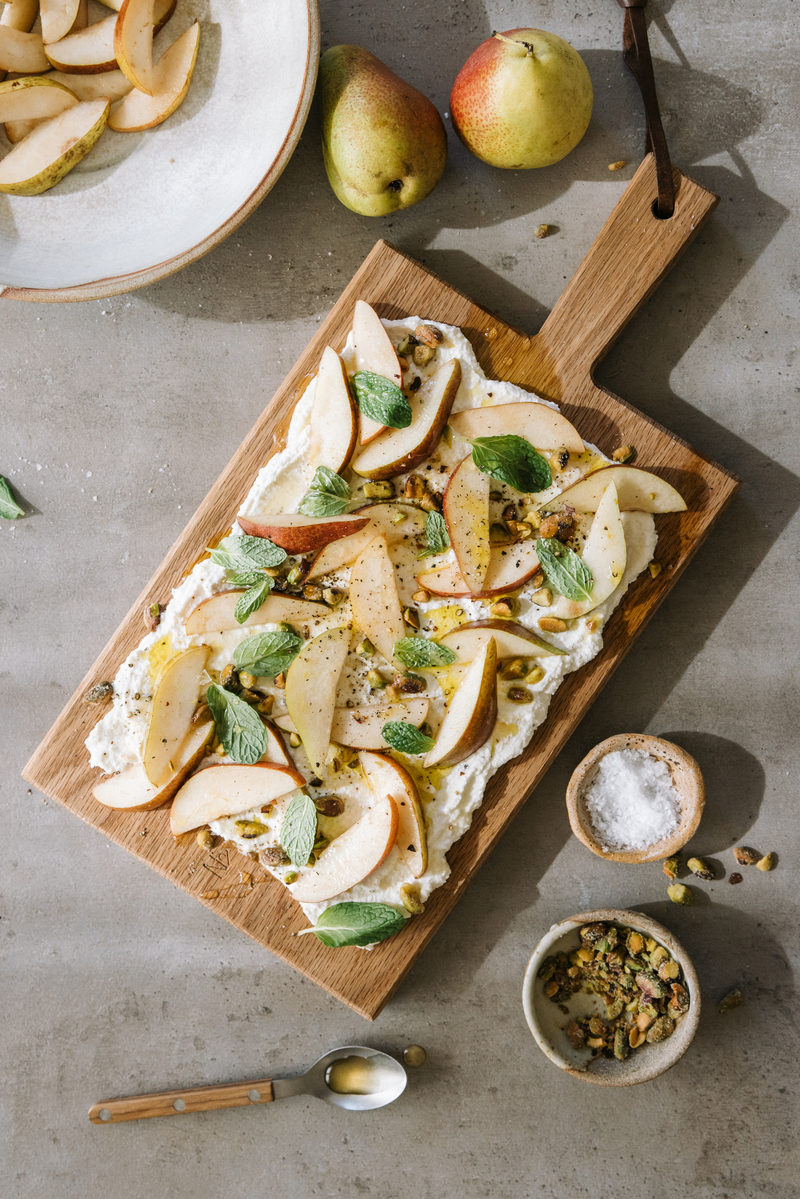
x: 116, y: 417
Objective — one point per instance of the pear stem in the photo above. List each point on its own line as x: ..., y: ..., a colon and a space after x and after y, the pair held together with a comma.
x: 501, y: 37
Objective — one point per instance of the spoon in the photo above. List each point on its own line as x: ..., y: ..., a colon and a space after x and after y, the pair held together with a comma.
x: 352, y: 1077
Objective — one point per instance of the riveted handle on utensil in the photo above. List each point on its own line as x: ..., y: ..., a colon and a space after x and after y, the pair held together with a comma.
x: 189, y: 1099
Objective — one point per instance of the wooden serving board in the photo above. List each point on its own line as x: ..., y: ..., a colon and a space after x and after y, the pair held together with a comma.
x: 627, y: 261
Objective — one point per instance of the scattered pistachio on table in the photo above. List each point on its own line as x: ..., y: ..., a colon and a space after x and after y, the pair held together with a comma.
x: 678, y: 893
x: 637, y: 979
x: 733, y: 999
x: 767, y: 862
x: 672, y: 866
x: 746, y: 856
x: 702, y: 869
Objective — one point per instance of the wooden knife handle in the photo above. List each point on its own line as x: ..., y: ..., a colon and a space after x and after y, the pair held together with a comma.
x: 625, y: 264
x: 188, y: 1099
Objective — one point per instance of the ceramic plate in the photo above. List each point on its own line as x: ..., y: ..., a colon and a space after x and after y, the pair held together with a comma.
x: 142, y: 205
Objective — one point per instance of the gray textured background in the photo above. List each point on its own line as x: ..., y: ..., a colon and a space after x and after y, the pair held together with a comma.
x: 116, y: 417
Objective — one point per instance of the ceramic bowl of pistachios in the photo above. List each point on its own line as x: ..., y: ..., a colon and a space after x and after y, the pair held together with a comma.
x: 611, y: 997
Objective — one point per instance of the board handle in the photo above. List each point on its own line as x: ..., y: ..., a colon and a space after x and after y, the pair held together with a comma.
x: 625, y: 264
x: 188, y: 1099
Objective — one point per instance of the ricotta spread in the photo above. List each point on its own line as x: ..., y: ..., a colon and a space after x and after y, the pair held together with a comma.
x: 449, y: 796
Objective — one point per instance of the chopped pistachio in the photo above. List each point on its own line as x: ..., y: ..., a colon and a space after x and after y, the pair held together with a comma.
x: 332, y: 596
x: 520, y: 530
x: 733, y: 999
x: 623, y: 453
x: 423, y: 355
x: 702, y: 869
x: 520, y: 695
x: 672, y: 866
x: 399, y: 517
x: 290, y: 878
x: 500, y: 535
x: 421, y: 597
x: 376, y: 680
x: 535, y: 675
x: 660, y: 1030
x: 506, y: 606
x: 655, y: 569
x: 746, y: 856
x: 205, y: 838
x: 250, y: 828
x: 541, y: 231
x: 543, y: 598
x: 411, y: 617
x: 99, y: 693
x: 294, y: 740
x: 678, y: 893
x: 229, y: 678
x: 329, y: 805
x: 382, y: 489
x: 514, y: 668
x: 312, y: 591
x: 365, y: 647
x: 617, y: 166
x: 294, y: 576
x: 411, y: 899
x: 415, y: 487
x: 428, y: 335
x: 552, y: 624
x: 200, y: 713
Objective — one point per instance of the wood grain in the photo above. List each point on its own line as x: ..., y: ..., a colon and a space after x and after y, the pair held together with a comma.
x: 189, y: 1099
x: 626, y: 262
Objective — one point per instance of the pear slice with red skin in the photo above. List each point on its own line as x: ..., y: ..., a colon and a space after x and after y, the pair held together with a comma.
x: 174, y: 701
x: 373, y: 352
x: 374, y: 599
x: 510, y: 567
x: 21, y: 51
x: 637, y: 491
x: 511, y: 639
x: 133, y: 43
x: 543, y: 427
x: 132, y: 789
x: 605, y: 554
x: 361, y: 728
x: 298, y: 534
x: 216, y: 614
x: 334, y: 417
x: 396, y: 451
x: 310, y: 691
x: 381, y: 520
x: 87, y: 51
x: 471, y: 714
x: 387, y: 777
x: 352, y: 856
x: 171, y: 77
x: 227, y: 790
x: 466, y: 512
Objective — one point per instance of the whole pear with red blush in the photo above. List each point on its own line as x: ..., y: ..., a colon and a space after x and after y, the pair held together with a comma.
x: 523, y: 99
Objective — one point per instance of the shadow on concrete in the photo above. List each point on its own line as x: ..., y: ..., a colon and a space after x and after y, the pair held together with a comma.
x: 735, y: 782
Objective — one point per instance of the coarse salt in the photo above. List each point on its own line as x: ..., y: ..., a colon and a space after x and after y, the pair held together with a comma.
x: 632, y: 801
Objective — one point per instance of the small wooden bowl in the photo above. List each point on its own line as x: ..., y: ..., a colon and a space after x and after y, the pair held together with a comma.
x: 686, y: 777
x: 548, y: 1023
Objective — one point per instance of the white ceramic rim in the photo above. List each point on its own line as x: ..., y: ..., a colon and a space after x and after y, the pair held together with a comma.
x: 641, y: 923
x: 101, y: 289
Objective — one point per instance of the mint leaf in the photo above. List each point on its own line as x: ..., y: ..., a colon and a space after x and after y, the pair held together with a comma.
x: 437, y: 535
x: 299, y: 829
x: 252, y: 599
x: 239, y: 728
x: 512, y: 460
x: 356, y: 924
x: 382, y: 400
x: 418, y: 651
x: 406, y: 738
x: 250, y: 553
x: 563, y: 569
x: 328, y: 494
x: 244, y: 578
x: 267, y: 653
x: 9, y: 508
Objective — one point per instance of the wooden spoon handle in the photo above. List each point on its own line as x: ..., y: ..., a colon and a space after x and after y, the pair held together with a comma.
x: 190, y: 1099
x: 630, y: 256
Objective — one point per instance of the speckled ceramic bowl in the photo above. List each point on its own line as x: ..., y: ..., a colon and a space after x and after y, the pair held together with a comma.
x: 548, y: 1023
x: 686, y: 776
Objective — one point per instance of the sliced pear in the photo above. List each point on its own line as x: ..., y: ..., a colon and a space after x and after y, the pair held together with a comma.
x: 299, y: 534
x: 33, y: 98
x: 216, y: 614
x: 471, y: 715
x: 396, y: 451
x: 387, y: 777
x: 352, y: 856
x: 227, y: 790
x: 52, y: 149
x: 543, y: 427
x: 58, y: 17
x: 373, y: 352
x: 133, y: 43
x: 174, y: 701
x: 22, y: 52
x: 20, y: 15
x: 310, y: 693
x: 276, y: 751
x: 637, y: 491
x: 399, y: 523
x: 86, y: 52
x: 107, y: 85
x: 604, y: 553
x: 374, y: 600
x: 512, y: 640
x: 162, y: 11
x: 132, y: 789
x: 172, y: 75
x: 361, y: 728
x: 334, y: 417
x: 466, y: 512
x: 510, y: 567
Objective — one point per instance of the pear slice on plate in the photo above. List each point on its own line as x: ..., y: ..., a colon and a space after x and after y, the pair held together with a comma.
x: 21, y: 14
x: 512, y: 640
x: 58, y: 18
x: 472, y: 712
x: 107, y: 85
x: 351, y: 856
x: 132, y: 789
x: 362, y: 728
x: 133, y: 43
x: 466, y: 512
x: 510, y: 566
x: 52, y: 149
x: 227, y: 790
x: 399, y: 450
x: 637, y: 491
x: 387, y: 777
x: 22, y: 52
x: 374, y: 352
x: 334, y: 417
x: 605, y: 554
x: 217, y: 613
x: 298, y: 534
x: 399, y: 523
x: 33, y: 98
x: 86, y: 52
x: 374, y: 599
x: 310, y: 692
x: 174, y: 701
x: 171, y: 77
x: 543, y: 427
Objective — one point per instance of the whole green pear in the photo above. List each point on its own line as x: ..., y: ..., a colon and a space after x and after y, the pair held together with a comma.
x: 523, y: 99
x: 383, y: 142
